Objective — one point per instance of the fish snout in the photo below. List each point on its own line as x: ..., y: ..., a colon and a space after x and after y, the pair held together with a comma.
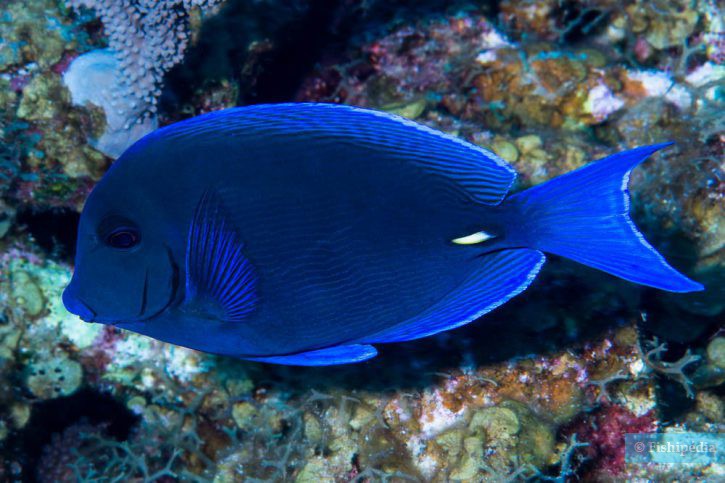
x: 76, y: 306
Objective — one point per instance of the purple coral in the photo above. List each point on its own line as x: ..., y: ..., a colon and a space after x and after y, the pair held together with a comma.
x: 148, y: 37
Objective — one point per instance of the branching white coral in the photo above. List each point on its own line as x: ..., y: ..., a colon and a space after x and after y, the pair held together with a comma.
x: 148, y: 37
x: 673, y: 370
x: 602, y: 385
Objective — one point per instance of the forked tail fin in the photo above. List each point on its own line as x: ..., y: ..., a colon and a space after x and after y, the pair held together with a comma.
x: 584, y: 216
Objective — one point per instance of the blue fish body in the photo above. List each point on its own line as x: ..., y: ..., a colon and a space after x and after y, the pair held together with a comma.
x: 305, y: 233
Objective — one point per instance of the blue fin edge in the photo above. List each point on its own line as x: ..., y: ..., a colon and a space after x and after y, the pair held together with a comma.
x: 330, y: 356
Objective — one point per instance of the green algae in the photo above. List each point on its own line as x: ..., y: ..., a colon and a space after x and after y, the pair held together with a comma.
x: 47, y: 105
x: 26, y: 293
x: 716, y: 352
x: 43, y: 98
x: 410, y: 110
x: 34, y: 31
x: 54, y: 376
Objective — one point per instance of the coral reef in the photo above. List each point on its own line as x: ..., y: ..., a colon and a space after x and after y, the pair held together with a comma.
x: 543, y: 389
x: 48, y: 160
x: 93, y: 80
x: 148, y: 38
x: 227, y: 420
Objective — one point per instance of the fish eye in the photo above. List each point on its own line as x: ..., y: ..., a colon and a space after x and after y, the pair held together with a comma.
x: 123, y: 238
x: 119, y: 232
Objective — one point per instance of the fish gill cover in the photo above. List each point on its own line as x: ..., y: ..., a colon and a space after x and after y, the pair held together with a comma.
x: 544, y: 388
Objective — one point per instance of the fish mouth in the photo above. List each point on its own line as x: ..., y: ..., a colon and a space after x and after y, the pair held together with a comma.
x: 77, y: 306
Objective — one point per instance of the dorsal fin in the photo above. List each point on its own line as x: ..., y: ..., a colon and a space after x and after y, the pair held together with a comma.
x: 481, y: 173
x: 220, y: 281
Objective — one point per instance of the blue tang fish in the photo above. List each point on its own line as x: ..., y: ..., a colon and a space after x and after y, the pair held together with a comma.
x: 305, y: 233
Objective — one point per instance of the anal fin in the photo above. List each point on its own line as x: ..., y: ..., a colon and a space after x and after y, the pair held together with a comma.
x: 497, y: 278
x: 345, y: 354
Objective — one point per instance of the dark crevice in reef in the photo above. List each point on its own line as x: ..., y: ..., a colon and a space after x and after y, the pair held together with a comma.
x: 54, y: 230
x: 49, y: 419
x: 669, y: 323
x: 579, y: 22
x: 223, y: 46
x: 271, y: 47
x: 296, y: 52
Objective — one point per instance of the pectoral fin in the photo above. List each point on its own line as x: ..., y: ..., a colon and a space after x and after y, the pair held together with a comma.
x: 220, y: 280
